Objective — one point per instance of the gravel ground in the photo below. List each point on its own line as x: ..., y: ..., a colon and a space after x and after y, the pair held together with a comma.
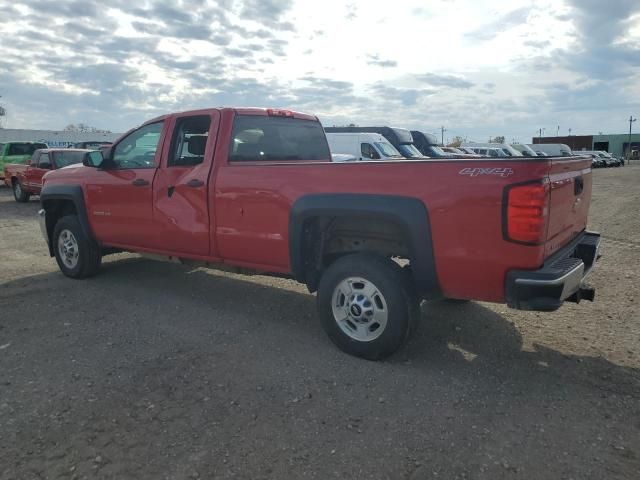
x: 154, y: 371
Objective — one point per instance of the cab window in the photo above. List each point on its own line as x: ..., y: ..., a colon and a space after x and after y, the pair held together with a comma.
x: 64, y: 159
x: 367, y: 151
x: 43, y: 161
x: 269, y: 138
x: 189, y: 141
x: 138, y: 149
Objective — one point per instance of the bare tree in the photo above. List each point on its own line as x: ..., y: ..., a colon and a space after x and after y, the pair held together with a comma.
x: 84, y: 128
x: 456, y: 141
x: 496, y: 140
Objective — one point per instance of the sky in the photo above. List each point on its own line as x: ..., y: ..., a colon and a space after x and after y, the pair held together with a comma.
x: 478, y: 68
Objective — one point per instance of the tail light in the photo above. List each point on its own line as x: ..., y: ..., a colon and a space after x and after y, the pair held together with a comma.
x: 275, y: 112
x: 526, y: 213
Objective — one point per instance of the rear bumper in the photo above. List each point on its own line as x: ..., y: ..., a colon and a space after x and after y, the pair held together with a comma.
x: 560, y: 279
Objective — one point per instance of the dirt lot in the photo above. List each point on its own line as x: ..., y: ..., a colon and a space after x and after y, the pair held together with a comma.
x: 152, y: 371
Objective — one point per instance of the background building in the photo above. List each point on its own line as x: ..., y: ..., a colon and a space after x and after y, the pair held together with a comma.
x: 616, y: 144
x: 54, y: 138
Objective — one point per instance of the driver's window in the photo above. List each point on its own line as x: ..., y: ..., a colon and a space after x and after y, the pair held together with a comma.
x: 138, y: 149
x: 367, y: 151
x: 44, y: 162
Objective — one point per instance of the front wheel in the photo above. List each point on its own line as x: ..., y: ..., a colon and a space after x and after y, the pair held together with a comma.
x: 19, y: 194
x: 367, y: 306
x: 77, y: 255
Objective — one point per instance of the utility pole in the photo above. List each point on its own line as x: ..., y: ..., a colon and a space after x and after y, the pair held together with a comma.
x: 631, y: 120
x: 442, y: 130
x: 541, y: 132
x: 558, y: 131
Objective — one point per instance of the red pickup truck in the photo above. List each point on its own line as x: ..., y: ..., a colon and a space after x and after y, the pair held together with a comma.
x: 26, y: 180
x: 255, y: 190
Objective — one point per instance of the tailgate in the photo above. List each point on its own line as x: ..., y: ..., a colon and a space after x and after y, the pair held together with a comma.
x: 570, y: 185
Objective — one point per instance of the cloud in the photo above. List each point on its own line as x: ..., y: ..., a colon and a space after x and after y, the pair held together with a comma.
x: 436, y: 80
x: 490, y: 30
x: 603, y: 47
x: 375, y: 60
x: 405, y: 96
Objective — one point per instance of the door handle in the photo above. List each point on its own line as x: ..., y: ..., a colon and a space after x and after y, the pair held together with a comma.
x: 194, y: 183
x: 139, y: 182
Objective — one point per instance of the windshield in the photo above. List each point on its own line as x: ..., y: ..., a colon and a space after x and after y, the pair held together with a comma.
x: 437, y: 151
x: 387, y: 149
x: 24, y: 148
x: 64, y: 159
x: 409, y: 151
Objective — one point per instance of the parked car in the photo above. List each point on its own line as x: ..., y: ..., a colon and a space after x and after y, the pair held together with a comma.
x: 605, y: 158
x: 490, y: 152
x: 454, y: 150
x: 255, y: 190
x: 17, y: 152
x: 466, y: 150
x: 505, y: 147
x: 400, y: 138
x: 26, y: 180
x: 552, y: 149
x: 525, y: 150
x: 363, y: 146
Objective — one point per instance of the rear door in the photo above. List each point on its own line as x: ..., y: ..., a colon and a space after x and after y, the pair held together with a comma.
x: 570, y: 184
x: 181, y: 208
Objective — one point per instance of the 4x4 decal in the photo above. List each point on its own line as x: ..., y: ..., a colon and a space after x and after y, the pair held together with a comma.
x: 474, y: 172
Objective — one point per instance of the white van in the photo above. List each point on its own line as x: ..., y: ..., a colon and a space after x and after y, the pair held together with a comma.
x: 525, y: 150
x: 363, y: 146
x: 552, y: 149
x: 505, y: 147
x: 490, y: 152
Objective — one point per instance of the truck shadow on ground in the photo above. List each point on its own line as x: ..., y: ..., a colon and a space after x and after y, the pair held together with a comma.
x: 460, y: 339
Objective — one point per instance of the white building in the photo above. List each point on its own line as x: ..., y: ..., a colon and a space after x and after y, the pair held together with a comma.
x: 54, y: 138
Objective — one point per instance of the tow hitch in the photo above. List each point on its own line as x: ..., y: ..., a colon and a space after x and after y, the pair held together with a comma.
x: 583, y: 293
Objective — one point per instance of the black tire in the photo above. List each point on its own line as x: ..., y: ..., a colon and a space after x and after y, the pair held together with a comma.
x: 89, y: 256
x: 401, y: 304
x: 19, y: 194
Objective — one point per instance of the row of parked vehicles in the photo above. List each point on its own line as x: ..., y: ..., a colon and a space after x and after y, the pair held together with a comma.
x: 389, y: 143
x: 255, y: 191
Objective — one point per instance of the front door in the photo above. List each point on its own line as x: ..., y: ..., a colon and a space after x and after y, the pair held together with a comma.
x: 119, y: 196
x: 181, y: 207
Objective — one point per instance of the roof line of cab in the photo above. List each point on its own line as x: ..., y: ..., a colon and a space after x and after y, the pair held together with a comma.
x: 277, y: 112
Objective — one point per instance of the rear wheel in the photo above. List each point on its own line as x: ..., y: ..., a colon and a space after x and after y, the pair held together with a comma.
x: 18, y: 193
x: 367, y: 305
x: 77, y: 255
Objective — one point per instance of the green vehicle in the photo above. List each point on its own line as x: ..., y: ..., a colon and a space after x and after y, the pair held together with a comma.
x: 17, y: 152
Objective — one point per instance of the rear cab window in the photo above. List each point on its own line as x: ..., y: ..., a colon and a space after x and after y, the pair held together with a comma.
x: 271, y: 138
x: 64, y: 159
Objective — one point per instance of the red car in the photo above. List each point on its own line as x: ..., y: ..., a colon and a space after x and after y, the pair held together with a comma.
x: 255, y: 190
x: 26, y: 180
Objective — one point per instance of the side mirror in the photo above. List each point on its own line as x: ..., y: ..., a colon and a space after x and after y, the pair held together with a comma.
x: 92, y: 159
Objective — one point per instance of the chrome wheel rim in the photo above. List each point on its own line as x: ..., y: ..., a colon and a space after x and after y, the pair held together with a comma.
x: 68, y: 249
x: 18, y: 189
x: 359, y: 309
